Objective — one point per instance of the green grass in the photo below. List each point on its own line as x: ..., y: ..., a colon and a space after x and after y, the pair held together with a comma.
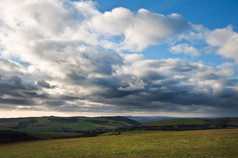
x: 192, y: 144
x: 43, y: 121
x: 49, y: 128
x: 82, y: 124
x: 173, y: 122
x: 87, y: 125
x: 58, y: 124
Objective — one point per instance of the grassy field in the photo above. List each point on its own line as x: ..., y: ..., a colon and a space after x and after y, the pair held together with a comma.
x: 59, y: 124
x: 196, y: 144
x: 58, y: 127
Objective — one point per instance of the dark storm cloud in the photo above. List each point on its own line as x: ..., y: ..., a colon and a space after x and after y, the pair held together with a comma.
x: 148, y: 85
x: 169, y: 89
x: 159, y: 85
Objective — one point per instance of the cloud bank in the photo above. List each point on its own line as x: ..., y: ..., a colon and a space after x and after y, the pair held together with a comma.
x: 67, y: 56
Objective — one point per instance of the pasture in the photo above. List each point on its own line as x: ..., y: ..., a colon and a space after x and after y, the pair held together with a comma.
x: 135, y: 144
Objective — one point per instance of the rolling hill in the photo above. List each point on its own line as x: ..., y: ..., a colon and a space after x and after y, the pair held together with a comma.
x: 58, y: 127
x: 32, y: 128
x: 192, y: 123
x: 64, y: 124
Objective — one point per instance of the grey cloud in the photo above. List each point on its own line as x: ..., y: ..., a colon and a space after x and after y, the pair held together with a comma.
x: 144, y: 85
x: 169, y: 89
x: 15, y: 83
x: 89, y: 65
x: 55, y: 103
x: 17, y: 86
x: 43, y: 83
x: 32, y: 95
x: 16, y: 101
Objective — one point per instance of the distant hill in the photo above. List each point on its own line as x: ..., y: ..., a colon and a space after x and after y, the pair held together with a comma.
x: 232, y: 121
x: 57, y: 127
x: 192, y: 123
x: 146, y: 119
x: 178, y: 121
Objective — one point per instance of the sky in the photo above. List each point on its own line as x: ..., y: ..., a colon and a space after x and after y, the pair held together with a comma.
x: 122, y: 57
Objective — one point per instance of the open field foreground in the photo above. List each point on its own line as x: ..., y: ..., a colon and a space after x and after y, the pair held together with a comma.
x: 201, y: 143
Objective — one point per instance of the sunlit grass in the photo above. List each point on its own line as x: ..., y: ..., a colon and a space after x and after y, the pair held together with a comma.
x: 203, y: 143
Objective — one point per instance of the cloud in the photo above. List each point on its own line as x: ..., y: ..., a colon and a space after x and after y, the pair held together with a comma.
x: 113, y: 22
x: 137, y: 31
x: 68, y: 56
x: 150, y: 28
x: 43, y: 83
x: 41, y: 30
x: 226, y: 40
x: 184, y: 48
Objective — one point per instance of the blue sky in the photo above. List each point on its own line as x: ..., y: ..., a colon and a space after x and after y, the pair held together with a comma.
x: 119, y: 57
x: 212, y: 14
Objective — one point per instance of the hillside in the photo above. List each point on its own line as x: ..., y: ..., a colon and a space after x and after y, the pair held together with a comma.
x: 64, y: 124
x: 187, y: 144
x: 173, y: 122
x: 56, y: 127
x: 192, y: 123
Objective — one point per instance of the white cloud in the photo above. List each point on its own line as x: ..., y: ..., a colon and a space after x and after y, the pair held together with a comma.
x: 226, y: 40
x: 131, y: 58
x: 184, y: 48
x: 40, y: 29
x: 112, y: 22
x: 150, y: 28
x: 139, y: 30
x: 86, y: 8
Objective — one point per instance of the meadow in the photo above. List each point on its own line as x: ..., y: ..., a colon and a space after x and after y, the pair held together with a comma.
x: 134, y: 144
x: 60, y: 127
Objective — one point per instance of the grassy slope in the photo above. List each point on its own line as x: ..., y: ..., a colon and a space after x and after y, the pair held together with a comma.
x: 194, y: 121
x: 57, y: 127
x: 60, y: 124
x: 205, y: 143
